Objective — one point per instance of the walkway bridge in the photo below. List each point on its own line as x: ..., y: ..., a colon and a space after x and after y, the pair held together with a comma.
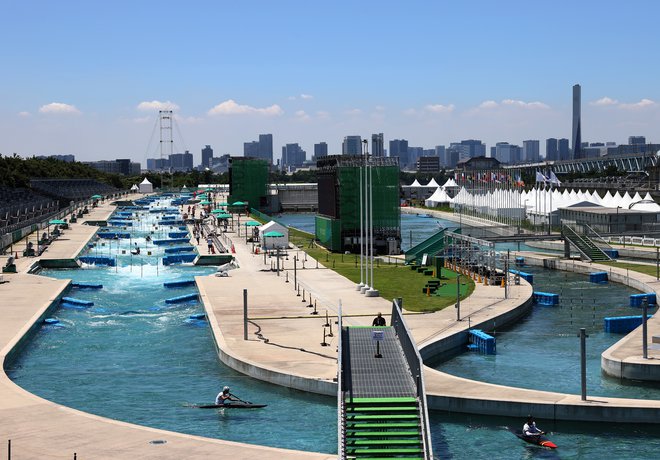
x: 381, y: 400
x: 587, y: 248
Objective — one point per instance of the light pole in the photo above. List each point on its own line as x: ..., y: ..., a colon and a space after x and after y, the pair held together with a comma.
x: 371, y: 292
x: 361, y: 283
x: 458, y: 297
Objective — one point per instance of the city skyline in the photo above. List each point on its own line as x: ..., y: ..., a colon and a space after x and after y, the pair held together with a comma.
x: 90, y: 80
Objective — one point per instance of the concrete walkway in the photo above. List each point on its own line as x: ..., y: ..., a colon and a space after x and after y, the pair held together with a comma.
x: 40, y: 429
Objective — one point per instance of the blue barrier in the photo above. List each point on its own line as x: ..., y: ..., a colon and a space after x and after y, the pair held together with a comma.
x: 78, y: 302
x: 183, y: 298
x: 113, y: 235
x: 97, y: 260
x: 526, y: 276
x: 178, y: 258
x: 178, y: 249
x: 171, y: 222
x: 481, y: 341
x: 520, y: 261
x: 86, y: 286
x: 171, y: 241
x: 598, y: 277
x: 181, y: 283
x: 177, y: 234
x: 612, y: 253
x: 623, y: 324
x: 637, y: 299
x: 120, y: 223
x: 546, y: 298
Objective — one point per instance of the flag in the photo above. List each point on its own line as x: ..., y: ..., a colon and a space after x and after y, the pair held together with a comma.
x: 541, y: 178
x: 519, y: 181
x: 553, y: 179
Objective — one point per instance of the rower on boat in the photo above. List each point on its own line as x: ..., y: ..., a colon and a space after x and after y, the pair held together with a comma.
x: 225, y: 397
x: 136, y: 250
x: 530, y: 428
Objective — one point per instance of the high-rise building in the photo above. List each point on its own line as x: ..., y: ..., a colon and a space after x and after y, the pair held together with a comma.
x: 452, y: 155
x: 507, y: 153
x: 399, y: 149
x: 293, y: 156
x: 181, y: 161
x: 266, y: 147
x: 551, y: 152
x: 251, y: 149
x: 564, y: 153
x: 207, y: 157
x: 352, y: 145
x: 320, y: 150
x: 377, y: 145
x: 472, y: 148
x: 576, y: 138
x: 426, y: 164
x: 441, y: 153
x: 413, y: 154
x: 531, y: 152
x: 636, y: 140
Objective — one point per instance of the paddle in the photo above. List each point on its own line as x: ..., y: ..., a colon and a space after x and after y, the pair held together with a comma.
x: 246, y: 402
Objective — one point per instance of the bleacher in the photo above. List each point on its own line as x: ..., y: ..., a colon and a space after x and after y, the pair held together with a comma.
x: 67, y: 190
x: 22, y: 206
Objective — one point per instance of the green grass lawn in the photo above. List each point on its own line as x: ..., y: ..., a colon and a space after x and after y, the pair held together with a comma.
x: 640, y: 268
x: 391, y: 280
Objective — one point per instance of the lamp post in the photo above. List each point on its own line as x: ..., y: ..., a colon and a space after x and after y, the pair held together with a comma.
x: 361, y: 284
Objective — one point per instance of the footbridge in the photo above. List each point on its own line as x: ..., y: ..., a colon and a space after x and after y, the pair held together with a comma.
x: 382, y: 408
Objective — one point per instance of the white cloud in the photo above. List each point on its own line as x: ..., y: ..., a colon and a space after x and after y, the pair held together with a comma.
x: 354, y: 112
x: 323, y: 114
x: 525, y: 105
x: 302, y: 115
x: 24, y: 114
x: 604, y: 101
x: 157, y: 105
x: 638, y: 105
x: 140, y: 120
x: 380, y: 108
x: 488, y: 105
x: 58, y: 107
x: 439, y: 108
x: 409, y: 112
x: 306, y: 96
x: 230, y: 107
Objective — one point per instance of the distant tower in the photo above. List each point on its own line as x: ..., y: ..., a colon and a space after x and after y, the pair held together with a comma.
x: 377, y: 145
x: 166, y: 141
x: 352, y: 145
x: 576, y: 139
x: 207, y: 157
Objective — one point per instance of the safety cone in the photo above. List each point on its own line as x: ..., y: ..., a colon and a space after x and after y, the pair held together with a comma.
x: 233, y: 251
x: 502, y: 283
x: 428, y: 291
x: 485, y: 281
x: 16, y: 255
x: 479, y: 279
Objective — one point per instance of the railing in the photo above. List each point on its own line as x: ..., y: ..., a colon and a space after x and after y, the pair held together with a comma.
x: 591, y: 231
x: 341, y: 448
x: 415, y: 364
x: 582, y: 243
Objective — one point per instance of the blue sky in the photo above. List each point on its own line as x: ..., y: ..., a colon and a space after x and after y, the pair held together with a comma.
x: 87, y: 77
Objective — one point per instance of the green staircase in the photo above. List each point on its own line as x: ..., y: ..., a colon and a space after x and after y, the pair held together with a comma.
x: 585, y: 245
x: 431, y: 246
x: 383, y: 428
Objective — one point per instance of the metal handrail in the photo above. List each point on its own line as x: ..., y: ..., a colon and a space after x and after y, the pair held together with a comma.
x: 341, y: 448
x: 598, y: 236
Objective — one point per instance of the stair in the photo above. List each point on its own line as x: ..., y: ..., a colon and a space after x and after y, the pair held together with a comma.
x: 383, y: 428
x: 585, y: 245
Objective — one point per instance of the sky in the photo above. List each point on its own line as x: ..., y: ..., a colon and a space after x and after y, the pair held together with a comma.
x: 88, y: 78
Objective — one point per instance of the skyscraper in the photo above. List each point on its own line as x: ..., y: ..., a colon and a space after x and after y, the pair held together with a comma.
x: 636, y: 140
x: 399, y: 148
x: 377, y: 145
x: 251, y: 149
x: 266, y: 147
x: 551, y: 152
x: 564, y: 153
x: 441, y: 153
x: 531, y: 151
x: 320, y: 150
x: 576, y: 138
x: 352, y: 145
x: 293, y: 156
x: 207, y: 157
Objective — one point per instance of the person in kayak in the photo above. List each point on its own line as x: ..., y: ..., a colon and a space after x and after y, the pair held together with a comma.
x: 530, y: 428
x: 225, y: 397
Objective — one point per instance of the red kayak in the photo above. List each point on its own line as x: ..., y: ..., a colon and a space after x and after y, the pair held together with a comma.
x: 536, y: 440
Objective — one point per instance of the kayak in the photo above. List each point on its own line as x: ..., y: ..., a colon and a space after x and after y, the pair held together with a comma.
x: 536, y: 440
x: 234, y: 405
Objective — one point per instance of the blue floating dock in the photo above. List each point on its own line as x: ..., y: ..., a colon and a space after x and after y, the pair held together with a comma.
x: 178, y: 249
x: 113, y: 235
x: 546, y: 298
x: 520, y: 261
x: 598, y: 277
x: 623, y: 324
x: 120, y: 223
x: 77, y: 302
x: 612, y: 253
x: 97, y: 260
x: 86, y: 286
x: 171, y: 222
x: 183, y: 298
x: 171, y: 241
x: 176, y: 284
x: 179, y: 258
x: 482, y: 342
x: 526, y: 276
x: 637, y: 299
x: 178, y: 234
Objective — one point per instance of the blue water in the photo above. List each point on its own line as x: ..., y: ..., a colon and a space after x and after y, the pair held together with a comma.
x: 132, y: 357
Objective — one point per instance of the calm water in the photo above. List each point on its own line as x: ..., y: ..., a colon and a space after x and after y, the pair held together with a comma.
x: 132, y: 357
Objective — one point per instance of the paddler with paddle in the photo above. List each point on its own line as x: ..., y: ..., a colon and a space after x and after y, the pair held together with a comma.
x: 225, y: 397
x: 530, y: 428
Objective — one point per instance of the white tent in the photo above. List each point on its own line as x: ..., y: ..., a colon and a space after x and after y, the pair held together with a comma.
x: 135, y: 188
x: 273, y: 242
x: 416, y: 184
x: 146, y: 187
x: 438, y: 197
x: 450, y: 184
x: 433, y: 183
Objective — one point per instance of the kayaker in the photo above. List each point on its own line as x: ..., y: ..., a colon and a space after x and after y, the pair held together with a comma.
x: 225, y: 397
x: 530, y: 428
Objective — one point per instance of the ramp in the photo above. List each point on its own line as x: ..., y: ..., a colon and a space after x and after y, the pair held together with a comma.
x: 589, y: 250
